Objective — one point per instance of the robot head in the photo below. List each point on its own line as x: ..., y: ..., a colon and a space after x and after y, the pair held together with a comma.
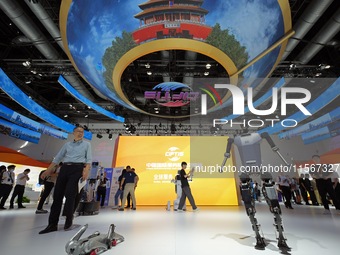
x: 266, y: 177
x: 244, y: 178
x: 71, y: 247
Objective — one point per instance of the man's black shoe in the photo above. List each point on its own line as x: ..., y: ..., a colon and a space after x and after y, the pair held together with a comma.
x: 48, y: 229
x: 68, y: 224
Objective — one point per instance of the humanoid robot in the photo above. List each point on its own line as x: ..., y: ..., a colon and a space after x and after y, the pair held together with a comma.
x: 94, y: 244
x: 178, y: 190
x: 249, y: 149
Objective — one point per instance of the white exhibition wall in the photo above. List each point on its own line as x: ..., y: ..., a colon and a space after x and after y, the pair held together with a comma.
x: 48, y: 147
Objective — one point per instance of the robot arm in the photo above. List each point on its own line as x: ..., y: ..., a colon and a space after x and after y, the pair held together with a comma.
x: 227, y: 152
x: 266, y: 136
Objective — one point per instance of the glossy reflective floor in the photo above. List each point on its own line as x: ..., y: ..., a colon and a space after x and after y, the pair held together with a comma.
x: 153, y: 230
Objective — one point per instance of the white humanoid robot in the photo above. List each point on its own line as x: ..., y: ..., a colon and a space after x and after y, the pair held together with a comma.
x: 249, y: 149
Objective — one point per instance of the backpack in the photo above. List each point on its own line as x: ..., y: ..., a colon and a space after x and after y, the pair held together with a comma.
x: 40, y: 180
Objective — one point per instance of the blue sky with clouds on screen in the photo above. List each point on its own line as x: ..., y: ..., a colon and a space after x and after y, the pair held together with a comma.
x: 92, y: 25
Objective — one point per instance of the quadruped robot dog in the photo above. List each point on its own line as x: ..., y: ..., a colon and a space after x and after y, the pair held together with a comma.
x: 249, y: 149
x: 94, y: 244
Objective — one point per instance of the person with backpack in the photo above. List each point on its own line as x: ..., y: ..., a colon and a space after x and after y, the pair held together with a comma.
x: 48, y: 183
x: 186, y: 191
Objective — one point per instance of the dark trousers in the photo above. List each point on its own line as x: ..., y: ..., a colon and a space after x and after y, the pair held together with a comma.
x: 128, y: 199
x: 48, y: 186
x: 18, y: 191
x: 287, y: 194
x: 325, y: 186
x: 304, y: 195
x: 312, y: 195
x: 5, y: 190
x: 186, y: 193
x: 101, y: 194
x: 66, y: 185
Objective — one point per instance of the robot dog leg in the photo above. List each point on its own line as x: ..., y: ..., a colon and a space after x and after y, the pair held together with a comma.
x: 94, y: 244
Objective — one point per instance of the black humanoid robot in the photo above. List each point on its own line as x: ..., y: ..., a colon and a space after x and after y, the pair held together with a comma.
x: 249, y: 149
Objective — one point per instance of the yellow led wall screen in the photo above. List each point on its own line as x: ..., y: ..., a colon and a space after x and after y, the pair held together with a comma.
x: 157, y: 160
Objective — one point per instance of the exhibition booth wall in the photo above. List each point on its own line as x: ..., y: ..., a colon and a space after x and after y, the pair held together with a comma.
x: 157, y: 160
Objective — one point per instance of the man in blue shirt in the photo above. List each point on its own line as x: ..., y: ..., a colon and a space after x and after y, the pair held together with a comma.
x: 76, y: 157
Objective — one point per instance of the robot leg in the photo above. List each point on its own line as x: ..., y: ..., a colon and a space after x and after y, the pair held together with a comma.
x: 179, y: 194
x: 274, y: 207
x: 250, y: 209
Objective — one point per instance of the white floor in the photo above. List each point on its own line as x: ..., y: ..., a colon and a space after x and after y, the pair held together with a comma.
x: 153, y: 230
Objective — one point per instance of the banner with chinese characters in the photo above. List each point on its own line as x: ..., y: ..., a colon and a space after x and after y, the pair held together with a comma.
x: 158, y: 159
x: 112, y: 174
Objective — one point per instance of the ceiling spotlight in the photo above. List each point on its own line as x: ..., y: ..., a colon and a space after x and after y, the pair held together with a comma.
x: 312, y: 81
x: 148, y: 72
x: 292, y: 66
x: 86, y: 116
x: 27, y: 63
x: 206, y: 73
x: 147, y: 65
x: 318, y: 74
x: 110, y: 136
x: 208, y: 66
x: 33, y: 72
x: 28, y: 82
x: 327, y: 66
x: 65, y: 116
